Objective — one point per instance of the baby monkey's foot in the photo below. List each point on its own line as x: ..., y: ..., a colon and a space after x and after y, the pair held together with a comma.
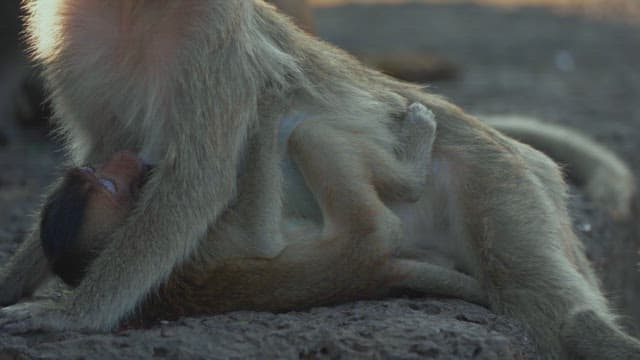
x: 418, y: 113
x: 417, y: 132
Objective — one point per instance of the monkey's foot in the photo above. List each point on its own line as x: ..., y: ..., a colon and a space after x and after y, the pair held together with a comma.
x: 418, y: 113
x: 41, y: 315
x: 417, y: 133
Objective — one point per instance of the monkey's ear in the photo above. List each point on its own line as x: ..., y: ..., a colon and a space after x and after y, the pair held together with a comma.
x: 63, y: 216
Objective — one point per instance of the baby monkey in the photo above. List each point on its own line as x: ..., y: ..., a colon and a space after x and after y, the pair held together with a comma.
x: 80, y: 214
x: 94, y: 201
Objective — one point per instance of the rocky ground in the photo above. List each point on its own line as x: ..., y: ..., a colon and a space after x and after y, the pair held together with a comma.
x: 562, y: 68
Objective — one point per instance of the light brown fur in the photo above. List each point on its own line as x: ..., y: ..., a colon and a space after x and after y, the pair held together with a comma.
x: 200, y: 102
x: 605, y: 178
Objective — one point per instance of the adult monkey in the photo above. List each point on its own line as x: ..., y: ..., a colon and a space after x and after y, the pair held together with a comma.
x: 184, y: 82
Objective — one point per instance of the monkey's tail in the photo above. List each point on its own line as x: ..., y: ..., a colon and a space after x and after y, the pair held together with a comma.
x: 606, y: 178
x: 587, y: 336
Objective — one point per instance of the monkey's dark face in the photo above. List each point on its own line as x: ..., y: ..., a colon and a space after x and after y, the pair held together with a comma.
x: 81, y: 214
x: 113, y: 188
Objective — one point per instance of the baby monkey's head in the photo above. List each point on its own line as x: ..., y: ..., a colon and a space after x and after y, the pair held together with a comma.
x: 79, y: 216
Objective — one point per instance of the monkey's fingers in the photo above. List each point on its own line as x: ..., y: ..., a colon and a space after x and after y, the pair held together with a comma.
x: 13, y: 319
x: 35, y: 316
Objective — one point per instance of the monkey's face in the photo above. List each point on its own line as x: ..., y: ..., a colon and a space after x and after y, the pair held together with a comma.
x: 79, y: 217
x: 113, y: 188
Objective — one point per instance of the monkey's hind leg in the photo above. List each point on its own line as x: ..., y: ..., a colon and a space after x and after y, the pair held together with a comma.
x: 435, y: 279
x: 523, y: 239
x: 335, y: 167
x: 353, y: 211
x: 348, y: 173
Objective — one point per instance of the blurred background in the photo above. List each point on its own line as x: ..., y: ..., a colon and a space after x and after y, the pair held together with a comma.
x: 568, y: 61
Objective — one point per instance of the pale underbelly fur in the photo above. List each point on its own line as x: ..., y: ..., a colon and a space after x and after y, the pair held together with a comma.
x: 431, y: 225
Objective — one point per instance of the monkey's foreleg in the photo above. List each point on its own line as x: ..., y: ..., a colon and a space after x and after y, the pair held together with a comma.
x: 187, y: 191
x: 172, y: 216
x: 26, y: 270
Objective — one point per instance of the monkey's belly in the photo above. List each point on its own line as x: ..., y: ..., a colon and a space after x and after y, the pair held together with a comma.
x: 431, y: 225
x: 426, y: 237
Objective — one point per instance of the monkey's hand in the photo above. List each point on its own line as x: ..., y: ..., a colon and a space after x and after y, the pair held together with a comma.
x: 39, y: 315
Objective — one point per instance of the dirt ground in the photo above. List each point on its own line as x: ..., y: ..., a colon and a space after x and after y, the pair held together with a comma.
x: 562, y: 68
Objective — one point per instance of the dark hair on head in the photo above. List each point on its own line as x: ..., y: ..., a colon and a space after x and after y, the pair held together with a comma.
x: 62, y: 218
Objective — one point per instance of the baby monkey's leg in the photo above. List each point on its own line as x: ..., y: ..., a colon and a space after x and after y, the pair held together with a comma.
x: 401, y: 175
x: 417, y: 134
x: 362, y: 170
x: 336, y: 166
x: 436, y: 279
x: 344, y: 183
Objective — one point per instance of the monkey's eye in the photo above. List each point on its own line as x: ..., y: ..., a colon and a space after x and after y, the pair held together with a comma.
x: 88, y: 169
x: 108, y: 184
